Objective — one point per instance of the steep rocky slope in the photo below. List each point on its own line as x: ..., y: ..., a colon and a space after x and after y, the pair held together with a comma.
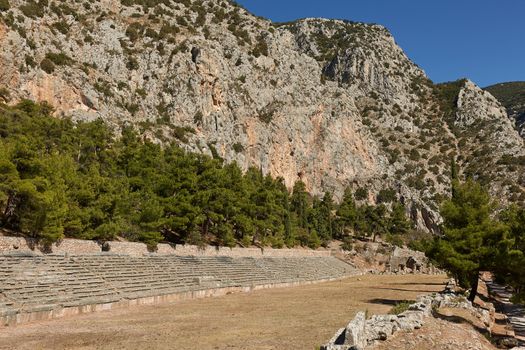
x: 512, y: 96
x: 333, y: 103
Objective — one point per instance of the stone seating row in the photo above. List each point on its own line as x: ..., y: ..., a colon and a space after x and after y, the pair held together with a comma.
x: 52, y: 282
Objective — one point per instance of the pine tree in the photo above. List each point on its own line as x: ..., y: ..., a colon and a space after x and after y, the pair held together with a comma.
x: 511, y: 257
x: 300, y: 203
x: 346, y: 214
x: 471, y: 237
x: 398, y: 223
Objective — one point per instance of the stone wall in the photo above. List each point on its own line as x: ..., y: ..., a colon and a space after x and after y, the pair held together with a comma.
x: 40, y: 286
x: 403, y: 260
x: 9, y: 245
x: 362, y: 333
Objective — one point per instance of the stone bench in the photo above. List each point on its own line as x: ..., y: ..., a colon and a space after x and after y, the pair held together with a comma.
x: 47, y: 283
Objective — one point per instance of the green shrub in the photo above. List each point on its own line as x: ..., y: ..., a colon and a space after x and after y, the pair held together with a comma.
x: 4, y: 5
x: 134, y: 31
x: 314, y: 241
x: 414, y: 155
x: 386, y: 196
x: 361, y: 194
x: 238, y: 147
x: 180, y: 132
x: 395, y: 240
x: 30, y: 61
x: 132, y: 63
x: 167, y: 31
x: 4, y: 94
x: 261, y: 48
x: 150, y: 33
x: 197, y: 118
x: 400, y: 307
x: 62, y: 27
x: 47, y: 65
x: 214, y: 152
x: 104, y: 87
x: 141, y: 92
x: 132, y: 108
x: 33, y: 9
x: 59, y: 59
x: 348, y: 244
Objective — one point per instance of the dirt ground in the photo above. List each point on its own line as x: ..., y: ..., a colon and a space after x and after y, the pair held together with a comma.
x: 284, y: 318
x: 452, y: 329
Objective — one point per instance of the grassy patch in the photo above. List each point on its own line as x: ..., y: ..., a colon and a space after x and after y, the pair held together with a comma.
x: 400, y: 307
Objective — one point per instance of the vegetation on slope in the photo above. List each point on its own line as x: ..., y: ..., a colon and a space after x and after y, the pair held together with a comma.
x: 512, y: 96
x: 509, y: 94
x: 63, y: 179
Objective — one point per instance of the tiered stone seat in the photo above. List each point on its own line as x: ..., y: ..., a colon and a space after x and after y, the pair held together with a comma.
x: 37, y: 283
x: 53, y: 282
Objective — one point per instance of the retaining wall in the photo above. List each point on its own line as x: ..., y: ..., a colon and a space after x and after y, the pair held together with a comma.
x: 82, y: 247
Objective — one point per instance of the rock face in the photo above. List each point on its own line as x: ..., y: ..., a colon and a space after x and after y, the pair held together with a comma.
x: 333, y: 103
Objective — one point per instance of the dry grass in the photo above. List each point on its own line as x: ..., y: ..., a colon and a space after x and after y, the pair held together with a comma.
x: 287, y: 318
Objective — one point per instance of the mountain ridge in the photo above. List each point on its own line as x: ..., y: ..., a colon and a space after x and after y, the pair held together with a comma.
x: 512, y: 96
x: 332, y: 103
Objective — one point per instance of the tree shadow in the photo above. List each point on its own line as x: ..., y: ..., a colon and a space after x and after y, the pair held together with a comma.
x: 36, y: 244
x: 419, y: 284
x: 389, y: 302
x: 422, y: 291
x: 458, y: 320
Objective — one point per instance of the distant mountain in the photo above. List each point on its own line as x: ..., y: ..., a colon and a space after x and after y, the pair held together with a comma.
x: 512, y: 96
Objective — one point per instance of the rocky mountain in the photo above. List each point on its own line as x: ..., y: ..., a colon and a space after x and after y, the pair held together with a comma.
x: 334, y: 103
x: 512, y: 96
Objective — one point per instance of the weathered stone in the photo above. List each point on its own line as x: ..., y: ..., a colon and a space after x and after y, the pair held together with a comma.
x: 380, y: 327
x: 47, y: 286
x: 411, y: 319
x: 355, y: 333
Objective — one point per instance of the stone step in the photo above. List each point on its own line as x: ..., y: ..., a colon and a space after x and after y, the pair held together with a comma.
x: 59, y: 281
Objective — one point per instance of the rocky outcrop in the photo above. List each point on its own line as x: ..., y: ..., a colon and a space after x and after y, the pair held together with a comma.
x: 333, y: 103
x: 488, y: 149
x: 404, y: 260
x: 362, y: 333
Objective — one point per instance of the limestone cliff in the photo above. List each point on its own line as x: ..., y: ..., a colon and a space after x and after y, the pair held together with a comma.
x: 333, y: 103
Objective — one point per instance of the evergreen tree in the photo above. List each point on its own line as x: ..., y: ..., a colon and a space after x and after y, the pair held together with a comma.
x: 471, y: 237
x: 59, y: 178
x: 346, y: 214
x: 511, y: 256
x: 398, y: 223
x: 371, y: 221
x: 321, y: 218
x: 300, y: 203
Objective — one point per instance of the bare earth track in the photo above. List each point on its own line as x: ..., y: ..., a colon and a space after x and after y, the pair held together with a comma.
x: 283, y: 318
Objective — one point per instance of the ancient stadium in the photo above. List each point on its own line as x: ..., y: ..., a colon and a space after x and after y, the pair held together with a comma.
x: 187, y: 174
x: 185, y: 297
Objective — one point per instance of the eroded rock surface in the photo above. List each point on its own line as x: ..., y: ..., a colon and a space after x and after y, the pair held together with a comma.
x: 333, y: 103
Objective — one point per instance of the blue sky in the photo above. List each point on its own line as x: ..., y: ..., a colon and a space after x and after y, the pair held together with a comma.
x: 483, y: 40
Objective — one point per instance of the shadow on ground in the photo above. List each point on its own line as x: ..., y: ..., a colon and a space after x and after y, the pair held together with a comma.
x: 390, y: 302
